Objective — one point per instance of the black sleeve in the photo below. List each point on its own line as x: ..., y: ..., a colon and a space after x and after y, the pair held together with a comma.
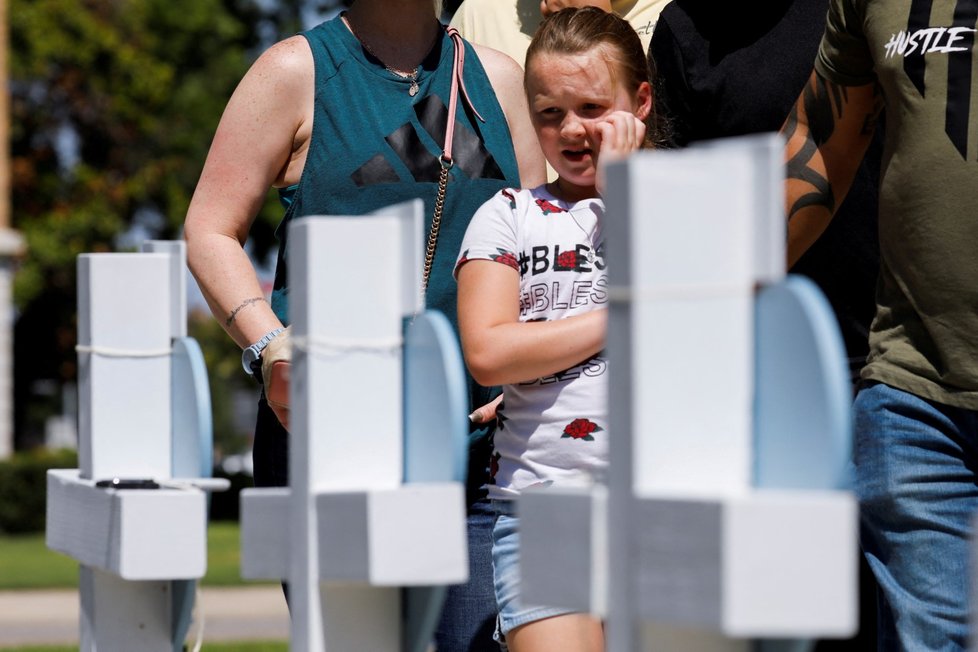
x: 671, y: 90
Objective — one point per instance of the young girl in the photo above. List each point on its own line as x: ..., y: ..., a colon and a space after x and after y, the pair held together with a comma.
x: 532, y: 292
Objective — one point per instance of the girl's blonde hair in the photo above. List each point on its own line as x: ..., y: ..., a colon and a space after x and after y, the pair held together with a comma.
x: 577, y: 30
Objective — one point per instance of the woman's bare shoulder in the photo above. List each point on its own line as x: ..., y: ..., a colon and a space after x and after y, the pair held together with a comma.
x: 498, y: 63
x: 289, y: 58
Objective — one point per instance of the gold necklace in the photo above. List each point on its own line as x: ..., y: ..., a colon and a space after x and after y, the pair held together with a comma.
x: 412, y: 76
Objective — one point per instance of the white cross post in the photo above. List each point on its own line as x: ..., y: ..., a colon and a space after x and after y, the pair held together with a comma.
x: 363, y: 516
x: 723, y: 520
x: 140, y: 548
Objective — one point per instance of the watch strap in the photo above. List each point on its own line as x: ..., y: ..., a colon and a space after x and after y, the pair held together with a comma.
x: 252, y: 353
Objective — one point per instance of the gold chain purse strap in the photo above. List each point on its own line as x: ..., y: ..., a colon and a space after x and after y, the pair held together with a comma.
x: 446, y: 156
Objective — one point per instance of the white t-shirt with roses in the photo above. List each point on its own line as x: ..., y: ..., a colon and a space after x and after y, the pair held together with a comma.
x: 551, y: 430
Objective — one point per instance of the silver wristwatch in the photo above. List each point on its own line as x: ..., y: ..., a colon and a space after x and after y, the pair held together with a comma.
x: 252, y: 353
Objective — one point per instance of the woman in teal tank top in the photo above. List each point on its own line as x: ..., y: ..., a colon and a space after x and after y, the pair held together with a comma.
x: 345, y: 118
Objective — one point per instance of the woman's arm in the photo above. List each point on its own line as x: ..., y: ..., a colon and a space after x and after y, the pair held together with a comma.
x: 260, y: 142
x: 506, y: 78
x: 498, y: 348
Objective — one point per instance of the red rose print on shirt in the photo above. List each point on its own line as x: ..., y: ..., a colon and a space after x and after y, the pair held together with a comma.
x: 507, y: 258
x: 581, y: 429
x: 508, y: 194
x: 549, y: 208
x: 567, y: 260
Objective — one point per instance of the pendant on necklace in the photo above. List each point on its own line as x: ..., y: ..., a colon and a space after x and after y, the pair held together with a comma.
x: 414, y: 88
x: 590, y: 256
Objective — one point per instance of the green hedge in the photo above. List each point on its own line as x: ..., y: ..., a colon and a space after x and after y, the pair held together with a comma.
x: 23, y: 487
x: 23, y: 490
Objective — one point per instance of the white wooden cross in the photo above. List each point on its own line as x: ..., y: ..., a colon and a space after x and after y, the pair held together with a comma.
x: 723, y: 520
x: 377, y: 440
x: 144, y: 414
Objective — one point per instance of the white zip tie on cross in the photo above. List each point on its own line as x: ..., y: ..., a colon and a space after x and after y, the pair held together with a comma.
x: 332, y: 347
x: 111, y: 352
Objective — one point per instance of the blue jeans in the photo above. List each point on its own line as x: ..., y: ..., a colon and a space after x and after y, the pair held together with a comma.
x: 916, y: 474
x: 468, y: 619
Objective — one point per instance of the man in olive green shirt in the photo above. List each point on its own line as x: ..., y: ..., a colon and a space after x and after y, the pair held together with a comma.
x: 916, y: 414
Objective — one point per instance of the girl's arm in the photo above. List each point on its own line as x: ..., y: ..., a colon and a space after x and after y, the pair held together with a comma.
x: 498, y: 348
x: 260, y: 142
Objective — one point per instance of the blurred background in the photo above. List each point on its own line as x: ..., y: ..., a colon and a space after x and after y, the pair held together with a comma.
x: 111, y: 107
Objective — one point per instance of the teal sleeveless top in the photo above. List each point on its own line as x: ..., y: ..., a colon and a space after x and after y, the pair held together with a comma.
x: 374, y: 145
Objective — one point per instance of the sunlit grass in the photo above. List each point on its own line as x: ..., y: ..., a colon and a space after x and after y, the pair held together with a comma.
x: 26, y: 562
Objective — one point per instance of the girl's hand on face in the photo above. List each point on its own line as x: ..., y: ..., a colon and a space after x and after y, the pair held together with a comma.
x: 614, y: 137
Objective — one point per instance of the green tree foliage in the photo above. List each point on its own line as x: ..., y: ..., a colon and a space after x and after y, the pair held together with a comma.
x: 23, y: 488
x: 139, y: 85
x: 114, y: 104
x: 113, y: 107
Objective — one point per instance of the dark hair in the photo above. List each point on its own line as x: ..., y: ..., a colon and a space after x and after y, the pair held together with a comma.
x: 576, y: 30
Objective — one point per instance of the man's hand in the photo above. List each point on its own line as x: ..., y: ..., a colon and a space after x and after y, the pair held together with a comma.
x: 548, y: 7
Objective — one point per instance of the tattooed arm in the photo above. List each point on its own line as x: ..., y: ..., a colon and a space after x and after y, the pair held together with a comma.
x: 826, y: 134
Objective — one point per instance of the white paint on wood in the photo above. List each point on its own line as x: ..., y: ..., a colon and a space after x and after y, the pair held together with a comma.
x: 789, y: 564
x: 137, y: 534
x: 177, y: 252
x: 564, y: 548
x: 266, y: 538
x: 135, y: 545
x: 766, y: 155
x: 348, y: 301
x: 697, y: 230
x: 124, y: 402
x: 363, y: 536
x: 121, y: 615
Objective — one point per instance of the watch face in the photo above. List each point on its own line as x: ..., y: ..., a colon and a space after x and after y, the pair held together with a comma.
x: 253, y: 353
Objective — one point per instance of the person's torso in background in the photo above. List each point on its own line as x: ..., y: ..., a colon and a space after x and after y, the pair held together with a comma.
x: 923, y: 55
x: 728, y: 71
x: 551, y: 430
x: 374, y: 145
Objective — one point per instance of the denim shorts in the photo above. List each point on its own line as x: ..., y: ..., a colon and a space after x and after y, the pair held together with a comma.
x: 506, y: 575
